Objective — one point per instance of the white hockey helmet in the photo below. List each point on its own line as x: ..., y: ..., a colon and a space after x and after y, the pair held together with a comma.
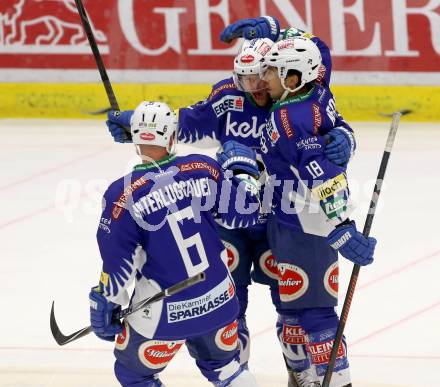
x: 298, y: 53
x: 247, y: 63
x: 154, y: 123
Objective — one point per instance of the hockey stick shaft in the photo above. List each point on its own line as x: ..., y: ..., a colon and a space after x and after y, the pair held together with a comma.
x: 366, y: 233
x: 61, y: 339
x: 98, y: 59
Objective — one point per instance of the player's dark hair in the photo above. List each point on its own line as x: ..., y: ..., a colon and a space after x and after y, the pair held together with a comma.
x: 297, y: 73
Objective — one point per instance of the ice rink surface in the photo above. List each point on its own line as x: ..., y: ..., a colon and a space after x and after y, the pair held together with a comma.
x: 52, y: 176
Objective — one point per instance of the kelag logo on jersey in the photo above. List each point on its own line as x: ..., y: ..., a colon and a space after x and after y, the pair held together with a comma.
x: 228, y: 103
x: 200, y: 306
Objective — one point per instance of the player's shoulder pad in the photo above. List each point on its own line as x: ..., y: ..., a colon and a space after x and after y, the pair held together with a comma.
x: 197, y: 164
x: 222, y: 88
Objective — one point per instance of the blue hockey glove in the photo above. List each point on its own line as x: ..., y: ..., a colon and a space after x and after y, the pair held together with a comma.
x: 101, y: 316
x: 238, y: 158
x: 352, y: 244
x: 259, y: 27
x: 116, y: 123
x: 340, y: 146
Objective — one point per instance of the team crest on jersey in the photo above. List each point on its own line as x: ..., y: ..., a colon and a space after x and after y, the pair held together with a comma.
x: 233, y: 256
x: 272, y: 132
x: 293, y: 334
x: 227, y: 338
x: 269, y: 265
x: 293, y: 282
x: 157, y: 354
x: 228, y: 103
x: 331, y: 279
x: 123, y: 338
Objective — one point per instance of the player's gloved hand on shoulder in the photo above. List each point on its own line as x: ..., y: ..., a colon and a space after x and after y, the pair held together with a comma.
x: 253, y: 28
x: 340, y: 146
x: 238, y: 158
x: 352, y: 244
x: 101, y: 316
x: 116, y: 122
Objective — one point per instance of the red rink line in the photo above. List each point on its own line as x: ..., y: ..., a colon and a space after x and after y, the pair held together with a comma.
x: 26, y: 216
x: 394, y: 324
x: 409, y: 357
x: 399, y: 270
x: 56, y: 168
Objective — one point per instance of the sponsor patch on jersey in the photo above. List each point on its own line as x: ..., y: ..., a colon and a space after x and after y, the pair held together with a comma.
x: 308, y: 143
x: 321, y: 74
x: 233, y: 256
x: 317, y: 119
x: 219, y: 89
x: 330, y: 187
x: 120, y: 205
x: 227, y: 338
x: 293, y: 334
x: 228, y: 103
x: 268, y: 264
x: 147, y: 136
x: 334, y: 206
x: 331, y: 279
x: 244, y: 129
x: 200, y: 306
x: 123, y: 338
x: 320, y: 352
x: 293, y: 282
x: 157, y: 354
x: 200, y: 165
x: 286, y: 124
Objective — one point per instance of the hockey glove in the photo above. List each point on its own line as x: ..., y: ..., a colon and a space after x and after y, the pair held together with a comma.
x: 238, y: 158
x: 259, y: 27
x: 352, y: 244
x: 116, y: 123
x: 101, y: 316
x: 340, y: 146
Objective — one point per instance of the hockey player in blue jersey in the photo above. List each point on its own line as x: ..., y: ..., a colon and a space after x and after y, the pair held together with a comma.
x: 237, y: 109
x: 157, y: 228
x: 309, y: 223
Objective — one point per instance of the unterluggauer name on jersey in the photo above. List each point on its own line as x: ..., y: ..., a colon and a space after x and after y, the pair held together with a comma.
x: 171, y: 193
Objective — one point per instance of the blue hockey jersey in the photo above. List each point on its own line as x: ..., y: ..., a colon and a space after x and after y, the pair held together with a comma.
x: 227, y: 114
x: 157, y: 228
x: 310, y: 193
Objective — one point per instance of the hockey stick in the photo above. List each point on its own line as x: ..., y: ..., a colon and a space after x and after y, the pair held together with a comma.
x: 99, y: 62
x: 62, y: 339
x: 366, y: 232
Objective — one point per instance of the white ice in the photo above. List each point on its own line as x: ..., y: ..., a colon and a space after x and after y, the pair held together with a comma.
x: 52, y: 176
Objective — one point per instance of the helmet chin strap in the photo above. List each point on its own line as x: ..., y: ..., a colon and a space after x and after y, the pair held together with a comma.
x: 288, y: 90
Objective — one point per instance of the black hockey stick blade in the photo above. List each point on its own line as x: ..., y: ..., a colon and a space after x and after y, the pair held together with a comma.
x: 403, y: 112
x: 98, y: 112
x: 58, y: 335
x: 62, y: 339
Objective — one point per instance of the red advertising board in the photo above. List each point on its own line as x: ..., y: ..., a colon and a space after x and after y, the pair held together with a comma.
x: 364, y: 35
